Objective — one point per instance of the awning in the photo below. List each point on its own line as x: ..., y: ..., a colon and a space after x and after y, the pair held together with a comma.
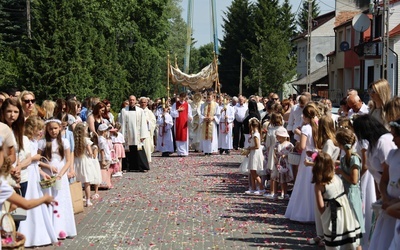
x: 315, y: 76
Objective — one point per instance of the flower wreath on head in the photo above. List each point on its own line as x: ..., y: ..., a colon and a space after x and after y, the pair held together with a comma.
x: 52, y: 120
x: 254, y: 118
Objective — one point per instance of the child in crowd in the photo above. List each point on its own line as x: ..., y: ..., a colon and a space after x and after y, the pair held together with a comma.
x: 118, y: 144
x: 282, y: 172
x: 85, y: 172
x: 340, y: 226
x: 104, y: 155
x: 276, y: 122
x: 97, y: 179
x: 349, y: 170
x: 37, y: 227
x: 57, y: 150
x: 255, y: 157
x: 165, y: 143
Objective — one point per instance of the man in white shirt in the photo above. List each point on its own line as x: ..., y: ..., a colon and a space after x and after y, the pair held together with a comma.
x: 356, y: 105
x: 240, y: 114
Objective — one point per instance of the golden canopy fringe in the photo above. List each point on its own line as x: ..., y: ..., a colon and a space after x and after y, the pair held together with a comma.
x: 202, y: 80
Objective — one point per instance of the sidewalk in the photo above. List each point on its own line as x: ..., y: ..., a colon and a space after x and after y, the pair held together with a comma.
x: 195, y: 202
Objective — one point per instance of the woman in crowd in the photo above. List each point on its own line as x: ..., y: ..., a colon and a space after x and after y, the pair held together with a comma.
x: 27, y: 99
x: 96, y: 117
x: 379, y: 92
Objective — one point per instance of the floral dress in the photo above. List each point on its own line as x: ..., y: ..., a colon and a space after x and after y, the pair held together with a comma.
x: 282, y: 170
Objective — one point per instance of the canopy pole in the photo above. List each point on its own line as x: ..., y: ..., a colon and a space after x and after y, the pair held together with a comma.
x: 168, y: 76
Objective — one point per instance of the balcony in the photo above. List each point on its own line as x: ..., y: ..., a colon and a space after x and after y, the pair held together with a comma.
x: 369, y: 50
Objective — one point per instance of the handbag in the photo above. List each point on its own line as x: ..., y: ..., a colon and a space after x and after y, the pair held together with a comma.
x: 243, y: 168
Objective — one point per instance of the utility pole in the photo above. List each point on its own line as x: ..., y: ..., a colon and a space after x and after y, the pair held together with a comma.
x: 28, y: 17
x: 241, y: 75
x: 309, y: 29
x: 385, y: 38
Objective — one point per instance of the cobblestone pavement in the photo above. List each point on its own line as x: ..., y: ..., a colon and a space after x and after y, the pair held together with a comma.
x: 196, y: 202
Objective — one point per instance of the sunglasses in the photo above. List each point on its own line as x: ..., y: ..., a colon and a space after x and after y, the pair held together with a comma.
x: 275, y: 99
x: 28, y: 101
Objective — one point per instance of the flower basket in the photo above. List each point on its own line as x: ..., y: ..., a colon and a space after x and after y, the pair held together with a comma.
x: 294, y: 158
x: 10, y: 238
x: 50, y: 182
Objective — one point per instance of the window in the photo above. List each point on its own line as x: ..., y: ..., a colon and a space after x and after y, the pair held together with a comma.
x: 348, y: 36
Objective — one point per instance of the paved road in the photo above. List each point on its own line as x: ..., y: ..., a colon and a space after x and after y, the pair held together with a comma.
x: 196, y: 202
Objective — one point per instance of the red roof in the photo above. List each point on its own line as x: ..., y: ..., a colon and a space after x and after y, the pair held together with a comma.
x: 395, y: 31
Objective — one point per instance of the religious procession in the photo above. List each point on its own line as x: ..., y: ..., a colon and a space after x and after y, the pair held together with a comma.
x: 338, y: 171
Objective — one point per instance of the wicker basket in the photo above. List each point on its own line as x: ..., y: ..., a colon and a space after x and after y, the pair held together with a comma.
x: 50, y: 182
x: 294, y: 158
x: 13, y: 239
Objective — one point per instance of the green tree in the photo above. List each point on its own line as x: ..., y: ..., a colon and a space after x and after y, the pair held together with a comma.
x: 238, y: 36
x: 270, y: 61
x: 302, y: 18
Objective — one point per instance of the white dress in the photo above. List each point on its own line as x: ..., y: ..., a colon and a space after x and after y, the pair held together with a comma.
x: 368, y: 196
x: 256, y: 157
x: 385, y: 225
x: 84, y: 167
x: 378, y: 155
x: 165, y: 141
x: 301, y: 204
x: 63, y: 214
x: 225, y: 138
x: 37, y: 227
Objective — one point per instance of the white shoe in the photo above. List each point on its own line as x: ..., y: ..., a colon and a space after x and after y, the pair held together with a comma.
x: 117, y: 174
x: 250, y: 191
x: 259, y: 192
x: 270, y: 196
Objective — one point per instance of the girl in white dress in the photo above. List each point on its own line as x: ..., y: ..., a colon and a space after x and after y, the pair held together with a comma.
x: 276, y: 122
x: 384, y: 231
x: 165, y: 143
x: 282, y: 171
x: 56, y: 150
x: 340, y: 226
x: 256, y: 157
x: 84, y: 167
x: 301, y: 204
x: 37, y: 227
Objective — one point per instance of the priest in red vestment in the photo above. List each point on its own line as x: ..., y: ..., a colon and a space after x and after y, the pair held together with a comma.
x: 182, y: 112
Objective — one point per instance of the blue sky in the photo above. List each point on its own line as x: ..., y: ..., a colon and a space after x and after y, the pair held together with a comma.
x: 202, y: 16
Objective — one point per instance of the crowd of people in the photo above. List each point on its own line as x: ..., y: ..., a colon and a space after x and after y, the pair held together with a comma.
x: 341, y: 165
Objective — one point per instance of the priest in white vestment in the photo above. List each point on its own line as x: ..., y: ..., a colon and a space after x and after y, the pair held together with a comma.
x: 182, y: 112
x: 151, y: 125
x: 209, y: 118
x: 195, y: 130
x: 134, y: 128
x: 225, y: 139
